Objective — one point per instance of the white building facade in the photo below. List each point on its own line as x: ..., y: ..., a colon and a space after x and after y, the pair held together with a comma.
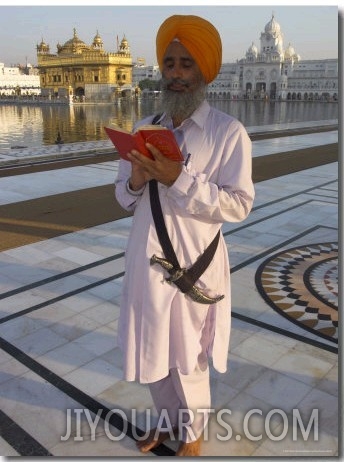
x: 143, y: 72
x: 275, y: 73
x: 17, y: 81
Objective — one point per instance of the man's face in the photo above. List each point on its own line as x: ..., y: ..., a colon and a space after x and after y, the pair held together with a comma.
x: 180, y: 71
x: 183, y: 85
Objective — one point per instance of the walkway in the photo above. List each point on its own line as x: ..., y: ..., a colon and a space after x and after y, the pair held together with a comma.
x: 59, y: 310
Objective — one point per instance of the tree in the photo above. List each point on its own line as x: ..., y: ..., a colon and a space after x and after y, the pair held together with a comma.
x: 148, y: 84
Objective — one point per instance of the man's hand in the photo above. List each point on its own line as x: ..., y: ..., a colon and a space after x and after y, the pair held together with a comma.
x: 138, y: 178
x: 162, y: 169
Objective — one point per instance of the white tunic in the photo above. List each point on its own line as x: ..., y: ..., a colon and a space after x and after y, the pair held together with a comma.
x: 160, y: 327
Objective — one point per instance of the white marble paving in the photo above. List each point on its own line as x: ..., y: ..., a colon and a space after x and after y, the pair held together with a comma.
x: 95, y: 377
x: 279, y: 390
x: 40, y: 184
x: 66, y: 358
x: 303, y: 367
x: 38, y: 407
x: 291, y: 143
x: 74, y: 337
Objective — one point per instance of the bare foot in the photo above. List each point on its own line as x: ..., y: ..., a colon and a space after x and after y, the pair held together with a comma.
x: 153, y: 440
x: 192, y: 449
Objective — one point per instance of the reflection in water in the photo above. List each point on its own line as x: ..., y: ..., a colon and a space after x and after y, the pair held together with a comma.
x: 86, y: 122
x: 31, y: 126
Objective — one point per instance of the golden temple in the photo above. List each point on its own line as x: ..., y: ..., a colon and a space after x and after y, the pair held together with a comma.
x: 85, y: 72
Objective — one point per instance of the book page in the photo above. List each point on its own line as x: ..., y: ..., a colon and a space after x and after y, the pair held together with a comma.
x: 150, y: 127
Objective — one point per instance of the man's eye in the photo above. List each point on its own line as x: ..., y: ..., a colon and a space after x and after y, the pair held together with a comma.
x: 187, y: 64
x: 169, y: 65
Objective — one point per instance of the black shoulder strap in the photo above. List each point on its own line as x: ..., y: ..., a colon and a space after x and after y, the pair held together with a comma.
x: 155, y: 119
x: 192, y: 274
x: 186, y: 282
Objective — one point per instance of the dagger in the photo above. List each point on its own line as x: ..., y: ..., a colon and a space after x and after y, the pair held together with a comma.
x: 194, y: 293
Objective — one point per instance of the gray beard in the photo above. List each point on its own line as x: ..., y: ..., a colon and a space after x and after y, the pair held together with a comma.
x: 181, y: 105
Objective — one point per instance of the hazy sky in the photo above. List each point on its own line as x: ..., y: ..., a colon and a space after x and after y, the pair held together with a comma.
x: 311, y: 29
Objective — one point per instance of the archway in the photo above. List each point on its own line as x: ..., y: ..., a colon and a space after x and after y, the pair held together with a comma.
x: 273, y: 89
x: 79, y: 91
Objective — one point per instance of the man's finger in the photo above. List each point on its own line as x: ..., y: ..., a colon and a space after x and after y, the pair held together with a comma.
x: 155, y: 152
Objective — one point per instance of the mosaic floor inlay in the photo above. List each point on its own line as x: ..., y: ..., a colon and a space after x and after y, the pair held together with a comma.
x: 302, y: 284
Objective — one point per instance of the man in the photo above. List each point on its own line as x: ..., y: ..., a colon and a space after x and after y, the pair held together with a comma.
x: 166, y: 336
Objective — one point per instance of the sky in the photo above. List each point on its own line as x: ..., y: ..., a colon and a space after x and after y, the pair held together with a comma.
x: 312, y: 29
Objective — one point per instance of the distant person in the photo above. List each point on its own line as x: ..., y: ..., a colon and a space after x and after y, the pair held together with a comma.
x: 168, y: 336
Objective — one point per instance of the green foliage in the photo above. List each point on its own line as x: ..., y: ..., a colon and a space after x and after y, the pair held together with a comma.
x: 148, y: 84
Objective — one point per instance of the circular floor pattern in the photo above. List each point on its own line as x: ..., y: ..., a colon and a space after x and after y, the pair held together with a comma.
x: 302, y: 284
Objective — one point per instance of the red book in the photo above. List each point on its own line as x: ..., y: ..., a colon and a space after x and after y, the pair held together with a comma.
x: 160, y: 137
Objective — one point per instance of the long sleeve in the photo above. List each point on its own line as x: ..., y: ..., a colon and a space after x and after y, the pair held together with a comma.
x: 126, y: 199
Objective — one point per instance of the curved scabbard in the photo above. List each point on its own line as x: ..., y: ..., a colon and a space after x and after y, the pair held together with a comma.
x: 177, y: 274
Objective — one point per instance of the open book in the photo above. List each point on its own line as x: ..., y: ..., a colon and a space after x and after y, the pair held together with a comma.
x: 160, y: 137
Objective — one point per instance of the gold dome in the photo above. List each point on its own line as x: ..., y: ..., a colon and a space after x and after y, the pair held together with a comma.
x: 124, y: 46
x: 97, y: 41
x: 124, y: 42
x: 74, y: 45
x: 43, y: 47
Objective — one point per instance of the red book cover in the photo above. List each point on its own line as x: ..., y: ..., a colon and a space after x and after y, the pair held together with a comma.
x: 160, y: 137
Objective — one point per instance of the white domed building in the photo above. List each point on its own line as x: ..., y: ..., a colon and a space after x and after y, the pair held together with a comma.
x: 274, y: 73
x: 261, y: 70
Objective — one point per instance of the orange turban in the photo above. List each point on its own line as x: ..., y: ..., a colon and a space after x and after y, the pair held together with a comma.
x: 198, y: 36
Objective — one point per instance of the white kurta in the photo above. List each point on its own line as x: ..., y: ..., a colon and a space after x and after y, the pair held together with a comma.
x: 160, y: 327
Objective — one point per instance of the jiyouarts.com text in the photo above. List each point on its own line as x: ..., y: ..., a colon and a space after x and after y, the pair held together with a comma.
x: 84, y: 424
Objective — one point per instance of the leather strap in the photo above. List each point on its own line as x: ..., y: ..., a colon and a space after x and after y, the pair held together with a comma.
x: 155, y: 119
x: 192, y: 274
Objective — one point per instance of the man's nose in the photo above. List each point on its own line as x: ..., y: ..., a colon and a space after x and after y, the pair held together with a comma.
x: 176, y: 72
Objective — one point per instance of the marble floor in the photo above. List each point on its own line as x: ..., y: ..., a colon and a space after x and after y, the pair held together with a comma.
x: 59, y: 305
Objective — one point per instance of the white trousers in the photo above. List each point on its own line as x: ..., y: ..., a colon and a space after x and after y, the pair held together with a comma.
x: 184, y: 402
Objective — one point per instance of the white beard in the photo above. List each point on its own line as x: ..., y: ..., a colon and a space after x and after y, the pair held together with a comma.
x: 181, y: 105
